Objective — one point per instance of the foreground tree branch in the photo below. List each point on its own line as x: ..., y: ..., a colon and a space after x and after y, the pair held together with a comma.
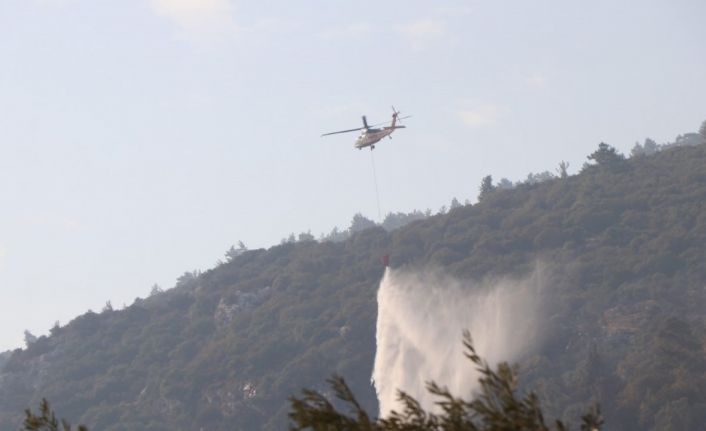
x: 45, y: 420
x: 497, y: 407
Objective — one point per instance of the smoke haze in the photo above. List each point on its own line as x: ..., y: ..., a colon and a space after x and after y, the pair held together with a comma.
x: 421, y: 318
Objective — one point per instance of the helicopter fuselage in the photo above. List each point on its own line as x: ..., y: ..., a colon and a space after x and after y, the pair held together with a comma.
x: 370, y: 137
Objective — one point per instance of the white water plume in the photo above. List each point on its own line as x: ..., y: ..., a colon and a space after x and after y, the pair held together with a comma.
x: 421, y: 318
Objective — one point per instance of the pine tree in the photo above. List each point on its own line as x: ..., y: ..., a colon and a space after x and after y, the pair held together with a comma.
x: 45, y: 420
x: 486, y: 186
x: 496, y: 408
x: 606, y: 155
x: 563, y: 169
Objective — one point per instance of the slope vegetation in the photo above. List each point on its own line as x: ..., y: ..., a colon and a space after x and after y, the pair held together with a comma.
x: 626, y: 243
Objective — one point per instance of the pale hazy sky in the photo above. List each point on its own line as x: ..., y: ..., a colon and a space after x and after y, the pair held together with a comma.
x: 141, y: 138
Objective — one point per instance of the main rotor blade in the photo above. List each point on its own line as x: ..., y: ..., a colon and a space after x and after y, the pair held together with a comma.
x: 387, y: 122
x: 343, y: 131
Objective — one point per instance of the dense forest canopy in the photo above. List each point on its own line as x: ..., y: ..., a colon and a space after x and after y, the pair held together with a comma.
x: 225, y: 348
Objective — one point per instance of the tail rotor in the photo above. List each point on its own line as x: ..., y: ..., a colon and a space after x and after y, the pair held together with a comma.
x: 396, y: 115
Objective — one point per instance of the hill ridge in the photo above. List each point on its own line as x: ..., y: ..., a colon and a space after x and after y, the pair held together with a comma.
x: 224, y: 349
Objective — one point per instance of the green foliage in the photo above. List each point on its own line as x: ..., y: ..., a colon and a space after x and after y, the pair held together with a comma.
x: 45, y: 420
x: 29, y: 338
x: 360, y: 223
x: 607, y: 156
x: 505, y: 184
x: 625, y: 251
x: 234, y: 252
x: 397, y: 220
x: 702, y: 129
x: 539, y: 178
x: 486, y: 186
x: 563, y: 169
x: 497, y: 407
x: 305, y: 236
x: 316, y: 412
x: 649, y: 148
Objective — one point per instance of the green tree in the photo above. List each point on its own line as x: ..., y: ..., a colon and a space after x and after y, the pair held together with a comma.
x: 702, y: 129
x: 505, y: 184
x: 649, y: 148
x: 233, y: 252
x: 496, y: 408
x: 30, y: 338
x: 606, y: 155
x: 563, y: 169
x: 155, y: 290
x: 486, y: 186
x: 360, y: 223
x: 306, y: 237
x: 45, y: 420
x: 539, y: 178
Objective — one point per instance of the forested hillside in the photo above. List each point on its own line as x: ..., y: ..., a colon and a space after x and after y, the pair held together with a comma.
x: 624, y: 242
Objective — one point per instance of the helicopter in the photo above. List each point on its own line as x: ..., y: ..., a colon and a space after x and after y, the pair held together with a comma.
x: 370, y: 135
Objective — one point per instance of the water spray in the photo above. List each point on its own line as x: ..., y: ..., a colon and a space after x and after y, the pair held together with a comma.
x: 421, y: 318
